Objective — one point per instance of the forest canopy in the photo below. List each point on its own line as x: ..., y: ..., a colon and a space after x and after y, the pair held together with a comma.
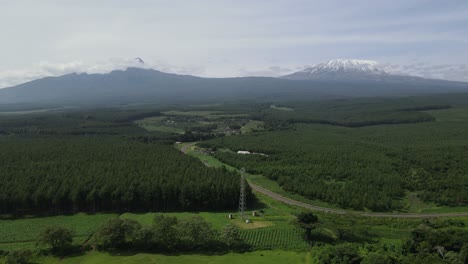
x: 95, y: 174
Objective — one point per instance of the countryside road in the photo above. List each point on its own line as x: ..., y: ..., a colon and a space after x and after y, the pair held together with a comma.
x: 311, y: 207
x: 338, y: 211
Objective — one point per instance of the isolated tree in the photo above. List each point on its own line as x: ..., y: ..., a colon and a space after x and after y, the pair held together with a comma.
x: 58, y: 238
x: 308, y: 221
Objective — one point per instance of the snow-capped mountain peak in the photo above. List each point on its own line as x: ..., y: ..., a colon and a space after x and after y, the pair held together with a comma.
x: 368, y: 66
x: 342, y: 69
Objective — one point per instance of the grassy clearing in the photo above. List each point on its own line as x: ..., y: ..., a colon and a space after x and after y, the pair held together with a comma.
x: 13, y: 113
x: 270, y: 229
x: 207, y: 159
x: 281, y: 108
x: 217, y: 219
x: 191, y: 113
x: 257, y: 257
x: 24, y: 232
x: 415, y: 205
x: 253, y: 126
x: 161, y: 128
x: 156, y: 124
x: 450, y: 115
x: 212, y: 115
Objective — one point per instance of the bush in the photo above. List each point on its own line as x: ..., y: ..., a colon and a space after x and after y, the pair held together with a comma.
x: 378, y: 258
x: 165, y: 232
x: 116, y: 233
x: 339, y: 254
x: 19, y: 257
x: 231, y: 237
x: 58, y: 238
x: 195, y: 232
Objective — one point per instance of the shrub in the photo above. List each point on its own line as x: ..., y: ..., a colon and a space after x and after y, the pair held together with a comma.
x: 116, y: 233
x: 19, y: 257
x: 58, y: 238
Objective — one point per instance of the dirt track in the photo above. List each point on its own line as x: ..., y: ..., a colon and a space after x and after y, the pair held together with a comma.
x: 338, y: 211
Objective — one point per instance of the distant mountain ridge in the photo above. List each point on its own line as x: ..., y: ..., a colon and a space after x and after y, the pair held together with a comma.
x: 135, y: 85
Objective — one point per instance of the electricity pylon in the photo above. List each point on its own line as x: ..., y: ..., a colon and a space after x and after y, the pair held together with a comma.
x: 242, y: 200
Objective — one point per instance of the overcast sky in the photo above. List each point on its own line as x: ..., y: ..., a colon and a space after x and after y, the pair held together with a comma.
x: 230, y: 38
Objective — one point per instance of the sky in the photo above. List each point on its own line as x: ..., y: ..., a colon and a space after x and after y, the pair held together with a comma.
x: 217, y: 38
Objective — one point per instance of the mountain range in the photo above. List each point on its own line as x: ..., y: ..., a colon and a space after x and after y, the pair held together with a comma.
x: 333, y: 79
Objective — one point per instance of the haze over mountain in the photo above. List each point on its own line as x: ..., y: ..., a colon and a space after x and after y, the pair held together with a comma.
x: 334, y: 79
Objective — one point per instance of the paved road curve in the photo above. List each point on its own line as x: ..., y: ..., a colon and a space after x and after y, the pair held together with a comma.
x: 290, y: 201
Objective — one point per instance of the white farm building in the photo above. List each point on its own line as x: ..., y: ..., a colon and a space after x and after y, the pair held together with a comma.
x: 243, y: 152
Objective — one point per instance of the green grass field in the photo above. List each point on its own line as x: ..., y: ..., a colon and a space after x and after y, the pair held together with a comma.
x: 204, y: 114
x: 281, y: 108
x: 207, y: 159
x: 156, y: 124
x: 271, y: 229
x: 22, y: 233
x: 450, y: 115
x: 256, y: 257
x: 13, y: 113
x: 191, y: 113
x: 252, y: 126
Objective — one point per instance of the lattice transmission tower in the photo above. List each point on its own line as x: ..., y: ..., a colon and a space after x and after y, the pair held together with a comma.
x: 242, y: 198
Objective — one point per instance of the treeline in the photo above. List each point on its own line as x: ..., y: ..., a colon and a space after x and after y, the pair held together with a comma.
x: 352, y: 113
x: 360, y: 120
x: 93, y: 174
x: 65, y: 123
x: 357, y: 112
x: 166, y: 234
x: 138, y: 116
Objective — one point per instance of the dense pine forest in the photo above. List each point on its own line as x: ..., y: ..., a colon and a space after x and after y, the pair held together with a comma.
x: 94, y: 174
x: 361, y: 154
x: 371, y: 167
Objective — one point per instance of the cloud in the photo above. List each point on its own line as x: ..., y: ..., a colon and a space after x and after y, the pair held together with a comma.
x: 272, y: 71
x: 45, y: 69
x: 454, y: 72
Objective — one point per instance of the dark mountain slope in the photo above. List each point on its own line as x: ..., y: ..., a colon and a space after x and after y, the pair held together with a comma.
x: 143, y: 85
